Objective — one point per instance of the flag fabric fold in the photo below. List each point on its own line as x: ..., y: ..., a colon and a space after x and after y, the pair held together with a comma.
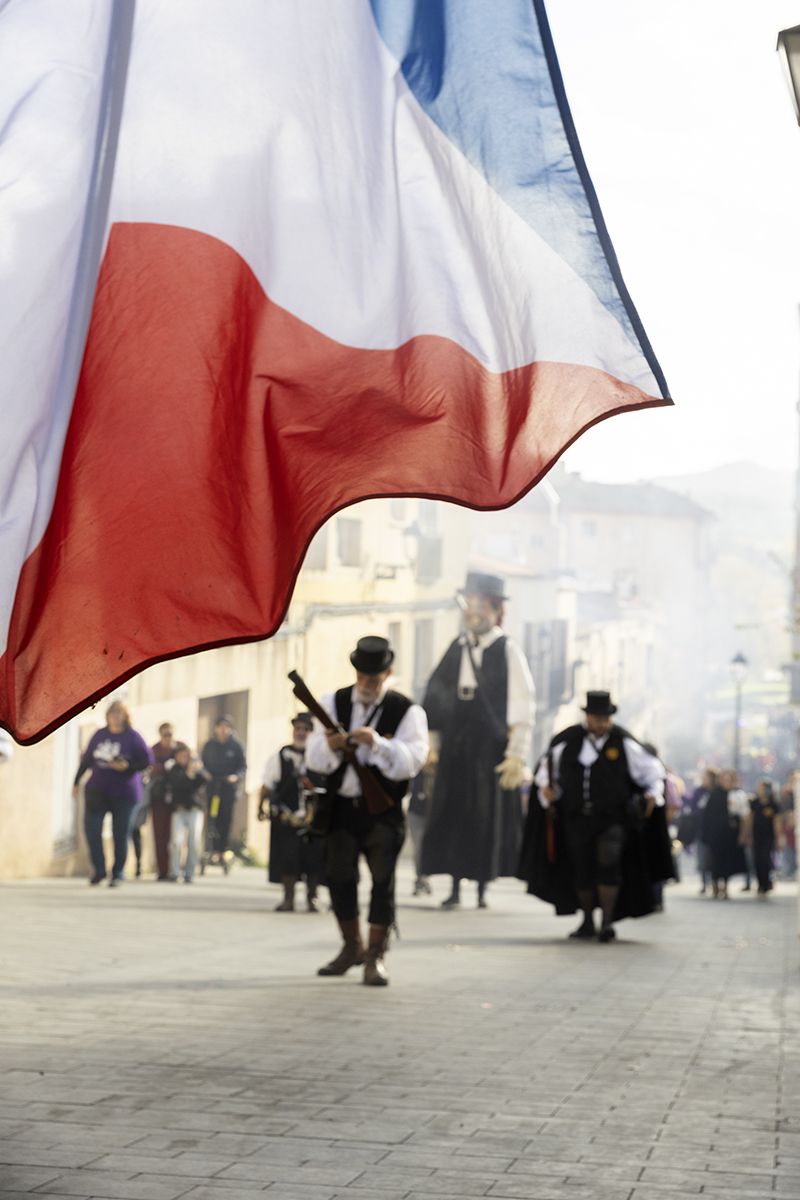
x: 351, y: 250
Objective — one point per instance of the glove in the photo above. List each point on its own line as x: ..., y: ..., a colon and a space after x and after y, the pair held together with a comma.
x: 513, y: 773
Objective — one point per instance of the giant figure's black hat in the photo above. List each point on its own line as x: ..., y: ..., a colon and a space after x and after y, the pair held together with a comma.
x: 485, y: 585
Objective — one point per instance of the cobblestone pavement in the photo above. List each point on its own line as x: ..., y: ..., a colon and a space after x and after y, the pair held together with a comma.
x: 163, y: 1041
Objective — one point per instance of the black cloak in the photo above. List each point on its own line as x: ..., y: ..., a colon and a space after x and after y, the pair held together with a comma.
x: 545, y: 866
x: 474, y: 827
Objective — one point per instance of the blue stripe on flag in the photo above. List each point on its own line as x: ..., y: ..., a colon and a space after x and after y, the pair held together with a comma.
x: 488, y: 76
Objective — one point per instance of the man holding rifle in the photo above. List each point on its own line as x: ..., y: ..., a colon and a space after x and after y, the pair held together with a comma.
x: 373, y: 741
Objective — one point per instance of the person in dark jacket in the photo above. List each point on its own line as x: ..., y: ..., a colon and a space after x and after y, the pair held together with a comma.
x: 225, y: 764
x: 603, y: 840
x: 719, y: 832
x: 183, y: 784
x: 690, y: 826
x: 764, y: 834
x: 116, y: 756
x: 285, y: 789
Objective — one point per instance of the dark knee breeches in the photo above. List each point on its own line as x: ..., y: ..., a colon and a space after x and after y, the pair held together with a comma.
x: 380, y: 839
x: 595, y: 854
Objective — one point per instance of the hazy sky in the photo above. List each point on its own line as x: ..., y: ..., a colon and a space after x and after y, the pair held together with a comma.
x: 690, y: 137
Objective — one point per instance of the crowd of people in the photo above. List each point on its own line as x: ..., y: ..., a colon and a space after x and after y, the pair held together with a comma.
x: 731, y: 832
x: 599, y: 826
x: 179, y: 791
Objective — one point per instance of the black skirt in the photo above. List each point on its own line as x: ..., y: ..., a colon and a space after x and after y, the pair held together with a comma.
x: 474, y: 827
x: 291, y: 854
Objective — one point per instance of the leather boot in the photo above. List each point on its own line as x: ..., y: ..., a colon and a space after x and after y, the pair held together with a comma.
x: 351, y: 953
x: 287, y: 904
x: 374, y: 970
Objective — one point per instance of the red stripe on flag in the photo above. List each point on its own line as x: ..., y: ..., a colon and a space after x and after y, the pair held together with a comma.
x: 213, y: 432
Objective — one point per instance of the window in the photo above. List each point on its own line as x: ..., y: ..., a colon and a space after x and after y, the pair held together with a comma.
x: 428, y: 517
x: 317, y: 557
x: 545, y: 647
x: 348, y: 540
x: 558, y: 662
x: 423, y: 654
x: 397, y: 508
x: 429, y: 559
x: 589, y: 528
x: 395, y: 635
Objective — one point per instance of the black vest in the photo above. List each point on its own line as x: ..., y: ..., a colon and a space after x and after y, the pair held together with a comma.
x: 441, y: 696
x: 287, y: 791
x: 606, y: 789
x: 393, y: 708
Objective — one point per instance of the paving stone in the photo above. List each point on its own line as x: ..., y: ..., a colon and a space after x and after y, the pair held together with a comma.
x: 201, y: 1165
x: 259, y: 1171
x: 208, y: 1191
x: 25, y: 1178
x: 407, y: 1158
x: 114, y: 1186
x: 25, y: 1154
x: 544, y: 1190
x: 282, y: 1191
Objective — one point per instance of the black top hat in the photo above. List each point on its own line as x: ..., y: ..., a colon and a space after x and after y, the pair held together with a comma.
x: 598, y: 704
x: 372, y: 655
x: 485, y: 585
x: 304, y: 718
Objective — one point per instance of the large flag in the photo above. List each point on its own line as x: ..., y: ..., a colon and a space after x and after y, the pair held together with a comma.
x: 261, y: 259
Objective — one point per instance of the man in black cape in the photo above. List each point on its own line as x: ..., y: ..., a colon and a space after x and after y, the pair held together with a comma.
x: 596, y: 834
x: 480, y: 700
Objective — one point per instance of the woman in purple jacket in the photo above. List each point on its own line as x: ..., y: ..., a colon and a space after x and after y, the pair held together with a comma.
x: 116, y: 756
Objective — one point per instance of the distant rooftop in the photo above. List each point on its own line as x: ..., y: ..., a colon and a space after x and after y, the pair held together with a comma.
x: 577, y: 495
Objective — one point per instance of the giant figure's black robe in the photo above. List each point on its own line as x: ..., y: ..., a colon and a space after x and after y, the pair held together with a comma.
x: 474, y: 827
x: 544, y: 862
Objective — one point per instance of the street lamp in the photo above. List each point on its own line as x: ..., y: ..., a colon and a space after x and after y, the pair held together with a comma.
x: 789, y: 51
x: 738, y: 671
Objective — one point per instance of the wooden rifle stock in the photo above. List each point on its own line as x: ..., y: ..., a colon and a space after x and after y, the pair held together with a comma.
x: 551, y: 835
x: 375, y: 798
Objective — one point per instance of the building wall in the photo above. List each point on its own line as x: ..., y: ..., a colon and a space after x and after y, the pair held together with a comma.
x: 393, y: 571
x: 648, y: 631
x: 39, y: 820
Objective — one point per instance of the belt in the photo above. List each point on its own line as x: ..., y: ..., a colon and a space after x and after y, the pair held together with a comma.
x: 356, y: 801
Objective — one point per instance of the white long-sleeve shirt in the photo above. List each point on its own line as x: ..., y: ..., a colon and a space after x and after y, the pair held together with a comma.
x: 6, y: 746
x: 272, y: 768
x: 521, y: 701
x: 646, y: 771
x: 399, y: 757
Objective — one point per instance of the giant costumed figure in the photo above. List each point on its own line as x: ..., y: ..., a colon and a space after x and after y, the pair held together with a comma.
x: 480, y: 701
